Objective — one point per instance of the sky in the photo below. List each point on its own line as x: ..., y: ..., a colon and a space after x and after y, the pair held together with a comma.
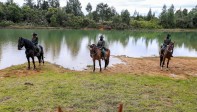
x: 141, y: 6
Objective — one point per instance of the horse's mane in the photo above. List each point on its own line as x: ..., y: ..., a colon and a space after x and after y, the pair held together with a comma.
x: 28, y: 42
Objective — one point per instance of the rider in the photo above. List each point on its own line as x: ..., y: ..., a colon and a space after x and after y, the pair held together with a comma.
x: 101, y: 45
x: 35, y: 42
x: 166, y: 42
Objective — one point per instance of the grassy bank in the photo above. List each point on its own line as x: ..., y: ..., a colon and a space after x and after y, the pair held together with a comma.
x: 51, y: 86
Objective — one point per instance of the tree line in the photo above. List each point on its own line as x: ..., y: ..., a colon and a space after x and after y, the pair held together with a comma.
x: 48, y: 13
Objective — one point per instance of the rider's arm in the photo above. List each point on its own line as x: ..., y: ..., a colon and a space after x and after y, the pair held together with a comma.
x: 103, y: 45
x: 36, y: 41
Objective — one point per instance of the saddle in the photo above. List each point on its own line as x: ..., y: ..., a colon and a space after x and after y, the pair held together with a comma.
x: 37, y: 50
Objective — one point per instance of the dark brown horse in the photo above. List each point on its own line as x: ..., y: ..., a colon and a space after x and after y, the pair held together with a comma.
x: 96, y: 54
x: 167, y: 53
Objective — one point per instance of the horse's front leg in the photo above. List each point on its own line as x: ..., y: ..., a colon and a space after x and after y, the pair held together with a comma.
x: 163, y: 62
x: 28, y: 62
x: 93, y: 65
x: 100, y: 64
x: 161, y: 59
x: 33, y: 62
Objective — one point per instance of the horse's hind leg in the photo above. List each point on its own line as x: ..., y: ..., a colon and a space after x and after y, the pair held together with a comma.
x: 33, y: 62
x: 100, y: 64
x: 105, y: 64
x: 42, y: 56
x: 39, y: 59
x: 28, y: 62
x: 93, y: 65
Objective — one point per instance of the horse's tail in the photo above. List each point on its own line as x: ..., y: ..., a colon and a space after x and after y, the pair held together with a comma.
x: 42, y: 54
x: 107, y: 60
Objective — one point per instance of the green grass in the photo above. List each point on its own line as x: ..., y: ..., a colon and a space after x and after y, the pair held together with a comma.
x: 85, y: 92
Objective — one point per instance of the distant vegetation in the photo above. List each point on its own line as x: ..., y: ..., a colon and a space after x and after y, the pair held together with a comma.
x: 48, y: 13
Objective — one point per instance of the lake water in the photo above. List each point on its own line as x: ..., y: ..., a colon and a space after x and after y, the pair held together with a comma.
x: 69, y: 48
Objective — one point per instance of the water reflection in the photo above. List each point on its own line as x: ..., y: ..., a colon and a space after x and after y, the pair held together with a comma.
x: 68, y: 48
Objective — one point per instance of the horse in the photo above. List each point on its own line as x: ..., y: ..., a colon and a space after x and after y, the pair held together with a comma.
x: 30, y: 51
x: 96, y: 54
x: 167, y: 53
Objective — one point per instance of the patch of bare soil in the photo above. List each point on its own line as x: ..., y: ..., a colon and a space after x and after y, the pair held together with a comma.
x: 179, y: 67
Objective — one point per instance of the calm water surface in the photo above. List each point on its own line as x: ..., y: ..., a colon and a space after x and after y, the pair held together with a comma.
x: 69, y: 48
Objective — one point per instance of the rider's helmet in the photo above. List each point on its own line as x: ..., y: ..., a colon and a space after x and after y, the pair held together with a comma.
x: 34, y: 34
x: 101, y: 37
x: 168, y: 36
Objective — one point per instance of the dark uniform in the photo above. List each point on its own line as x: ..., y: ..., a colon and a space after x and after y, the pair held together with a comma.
x: 101, y: 45
x: 166, y: 43
x: 35, y: 42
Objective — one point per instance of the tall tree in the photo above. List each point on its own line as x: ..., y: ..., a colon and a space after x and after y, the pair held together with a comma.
x: 45, y: 5
x: 74, y: 7
x: 164, y: 17
x: 185, y: 12
x: 95, y: 16
x: 39, y: 3
x: 101, y: 9
x: 89, y: 8
x: 171, y: 16
x: 125, y: 15
x: 10, y: 1
x: 13, y: 13
x: 149, y: 15
x: 29, y: 3
x: 54, y: 3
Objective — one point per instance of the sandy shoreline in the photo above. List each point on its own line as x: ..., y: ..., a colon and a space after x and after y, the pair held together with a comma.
x: 179, y: 67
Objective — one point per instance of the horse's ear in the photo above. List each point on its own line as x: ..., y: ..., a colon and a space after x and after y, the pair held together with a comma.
x: 89, y: 46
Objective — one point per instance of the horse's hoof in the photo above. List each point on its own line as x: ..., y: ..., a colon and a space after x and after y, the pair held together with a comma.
x: 28, y: 68
x: 161, y: 68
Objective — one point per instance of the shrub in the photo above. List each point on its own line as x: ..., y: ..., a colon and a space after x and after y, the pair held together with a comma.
x: 6, y: 23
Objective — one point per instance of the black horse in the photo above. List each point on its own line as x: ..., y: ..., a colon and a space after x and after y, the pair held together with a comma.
x: 30, y: 51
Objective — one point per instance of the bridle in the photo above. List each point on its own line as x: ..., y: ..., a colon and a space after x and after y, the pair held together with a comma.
x: 170, y: 47
x: 93, y: 51
x: 20, y: 43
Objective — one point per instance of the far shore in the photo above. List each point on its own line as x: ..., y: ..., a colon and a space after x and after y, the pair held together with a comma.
x: 143, y: 29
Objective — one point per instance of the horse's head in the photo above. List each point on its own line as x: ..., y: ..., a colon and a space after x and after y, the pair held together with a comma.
x: 20, y: 43
x: 92, y: 49
x: 170, y: 46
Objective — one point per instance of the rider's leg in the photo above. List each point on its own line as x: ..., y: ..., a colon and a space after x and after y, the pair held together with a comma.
x: 103, y: 50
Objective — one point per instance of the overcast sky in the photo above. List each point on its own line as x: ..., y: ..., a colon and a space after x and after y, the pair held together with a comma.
x: 142, y: 6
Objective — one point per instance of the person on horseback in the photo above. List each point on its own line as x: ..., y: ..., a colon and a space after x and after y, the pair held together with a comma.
x: 167, y: 41
x: 101, y: 45
x: 35, y: 42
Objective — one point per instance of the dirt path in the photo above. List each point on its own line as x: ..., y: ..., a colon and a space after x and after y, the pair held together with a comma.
x: 178, y: 68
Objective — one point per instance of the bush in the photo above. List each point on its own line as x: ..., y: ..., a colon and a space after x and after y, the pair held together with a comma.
x: 6, y: 23
x: 120, y: 26
x: 153, y: 24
